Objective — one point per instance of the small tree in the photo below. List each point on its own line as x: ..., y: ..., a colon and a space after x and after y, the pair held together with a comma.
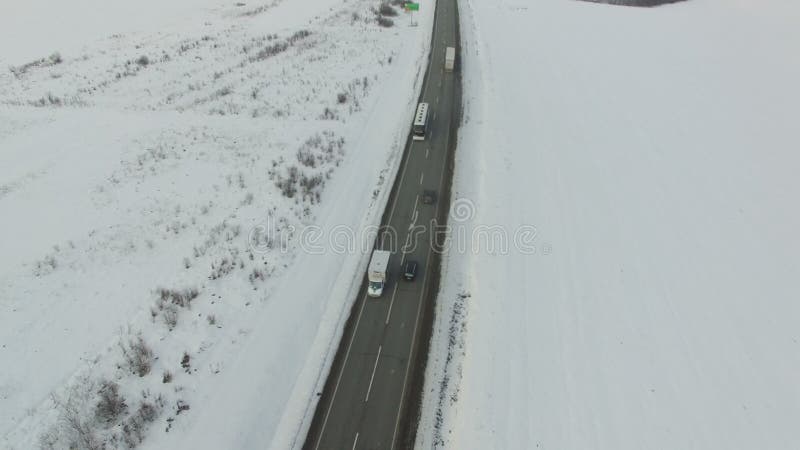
x: 138, y: 356
x: 111, y: 403
x: 186, y: 362
x: 170, y: 314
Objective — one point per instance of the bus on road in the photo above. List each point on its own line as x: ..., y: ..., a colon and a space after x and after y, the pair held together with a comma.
x: 421, y: 122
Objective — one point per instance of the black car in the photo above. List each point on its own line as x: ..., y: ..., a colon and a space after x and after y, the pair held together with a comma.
x: 410, y: 271
x: 428, y: 197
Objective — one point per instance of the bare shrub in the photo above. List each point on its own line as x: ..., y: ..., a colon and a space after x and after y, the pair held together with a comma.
x: 385, y: 22
x: 270, y: 51
x: 133, y: 432
x: 310, y: 184
x: 166, y: 377
x: 298, y: 35
x: 111, y: 403
x: 255, y: 11
x: 147, y: 411
x: 212, y: 319
x: 49, y: 439
x: 74, y: 427
x: 186, y: 362
x: 329, y: 114
x: 317, y: 151
x: 170, y: 315
x: 321, y: 148
x: 288, y: 184
x: 55, y: 101
x: 45, y: 266
x: 341, y: 98
x: 306, y: 157
x: 257, y: 274
x: 222, y: 268
x: 182, y: 298
x: 138, y: 356
x: 51, y: 60
x: 143, y: 61
x: 135, y: 426
x: 181, y: 406
x: 386, y: 10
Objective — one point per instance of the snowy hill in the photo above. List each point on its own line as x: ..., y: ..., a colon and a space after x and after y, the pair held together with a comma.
x: 655, y: 153
x: 158, y: 169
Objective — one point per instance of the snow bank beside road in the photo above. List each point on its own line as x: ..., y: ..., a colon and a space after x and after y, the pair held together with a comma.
x: 658, y: 164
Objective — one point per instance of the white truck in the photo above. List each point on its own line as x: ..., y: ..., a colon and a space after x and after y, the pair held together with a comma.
x: 377, y: 272
x: 449, y: 59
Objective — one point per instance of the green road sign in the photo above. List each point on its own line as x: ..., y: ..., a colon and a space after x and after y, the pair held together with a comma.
x: 412, y: 6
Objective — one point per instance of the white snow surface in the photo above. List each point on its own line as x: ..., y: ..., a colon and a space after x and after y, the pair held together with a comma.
x: 37, y: 28
x: 120, y: 176
x: 656, y: 153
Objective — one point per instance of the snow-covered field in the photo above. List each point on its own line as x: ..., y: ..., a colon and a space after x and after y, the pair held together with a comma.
x: 656, y: 153
x: 158, y: 165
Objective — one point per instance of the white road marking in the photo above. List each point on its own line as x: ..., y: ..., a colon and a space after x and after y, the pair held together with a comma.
x: 372, y: 378
x: 391, y: 302
x: 355, y: 442
x: 421, y: 177
x: 427, y: 152
x: 415, y: 206
x: 434, y: 116
x: 341, y: 372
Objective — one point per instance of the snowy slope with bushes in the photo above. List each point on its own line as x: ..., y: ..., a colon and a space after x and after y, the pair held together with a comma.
x: 157, y: 172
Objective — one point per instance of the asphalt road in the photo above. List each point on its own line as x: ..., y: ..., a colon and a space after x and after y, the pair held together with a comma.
x: 368, y: 399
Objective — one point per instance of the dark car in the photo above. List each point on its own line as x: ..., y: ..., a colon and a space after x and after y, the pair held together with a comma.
x: 428, y: 197
x: 410, y: 271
